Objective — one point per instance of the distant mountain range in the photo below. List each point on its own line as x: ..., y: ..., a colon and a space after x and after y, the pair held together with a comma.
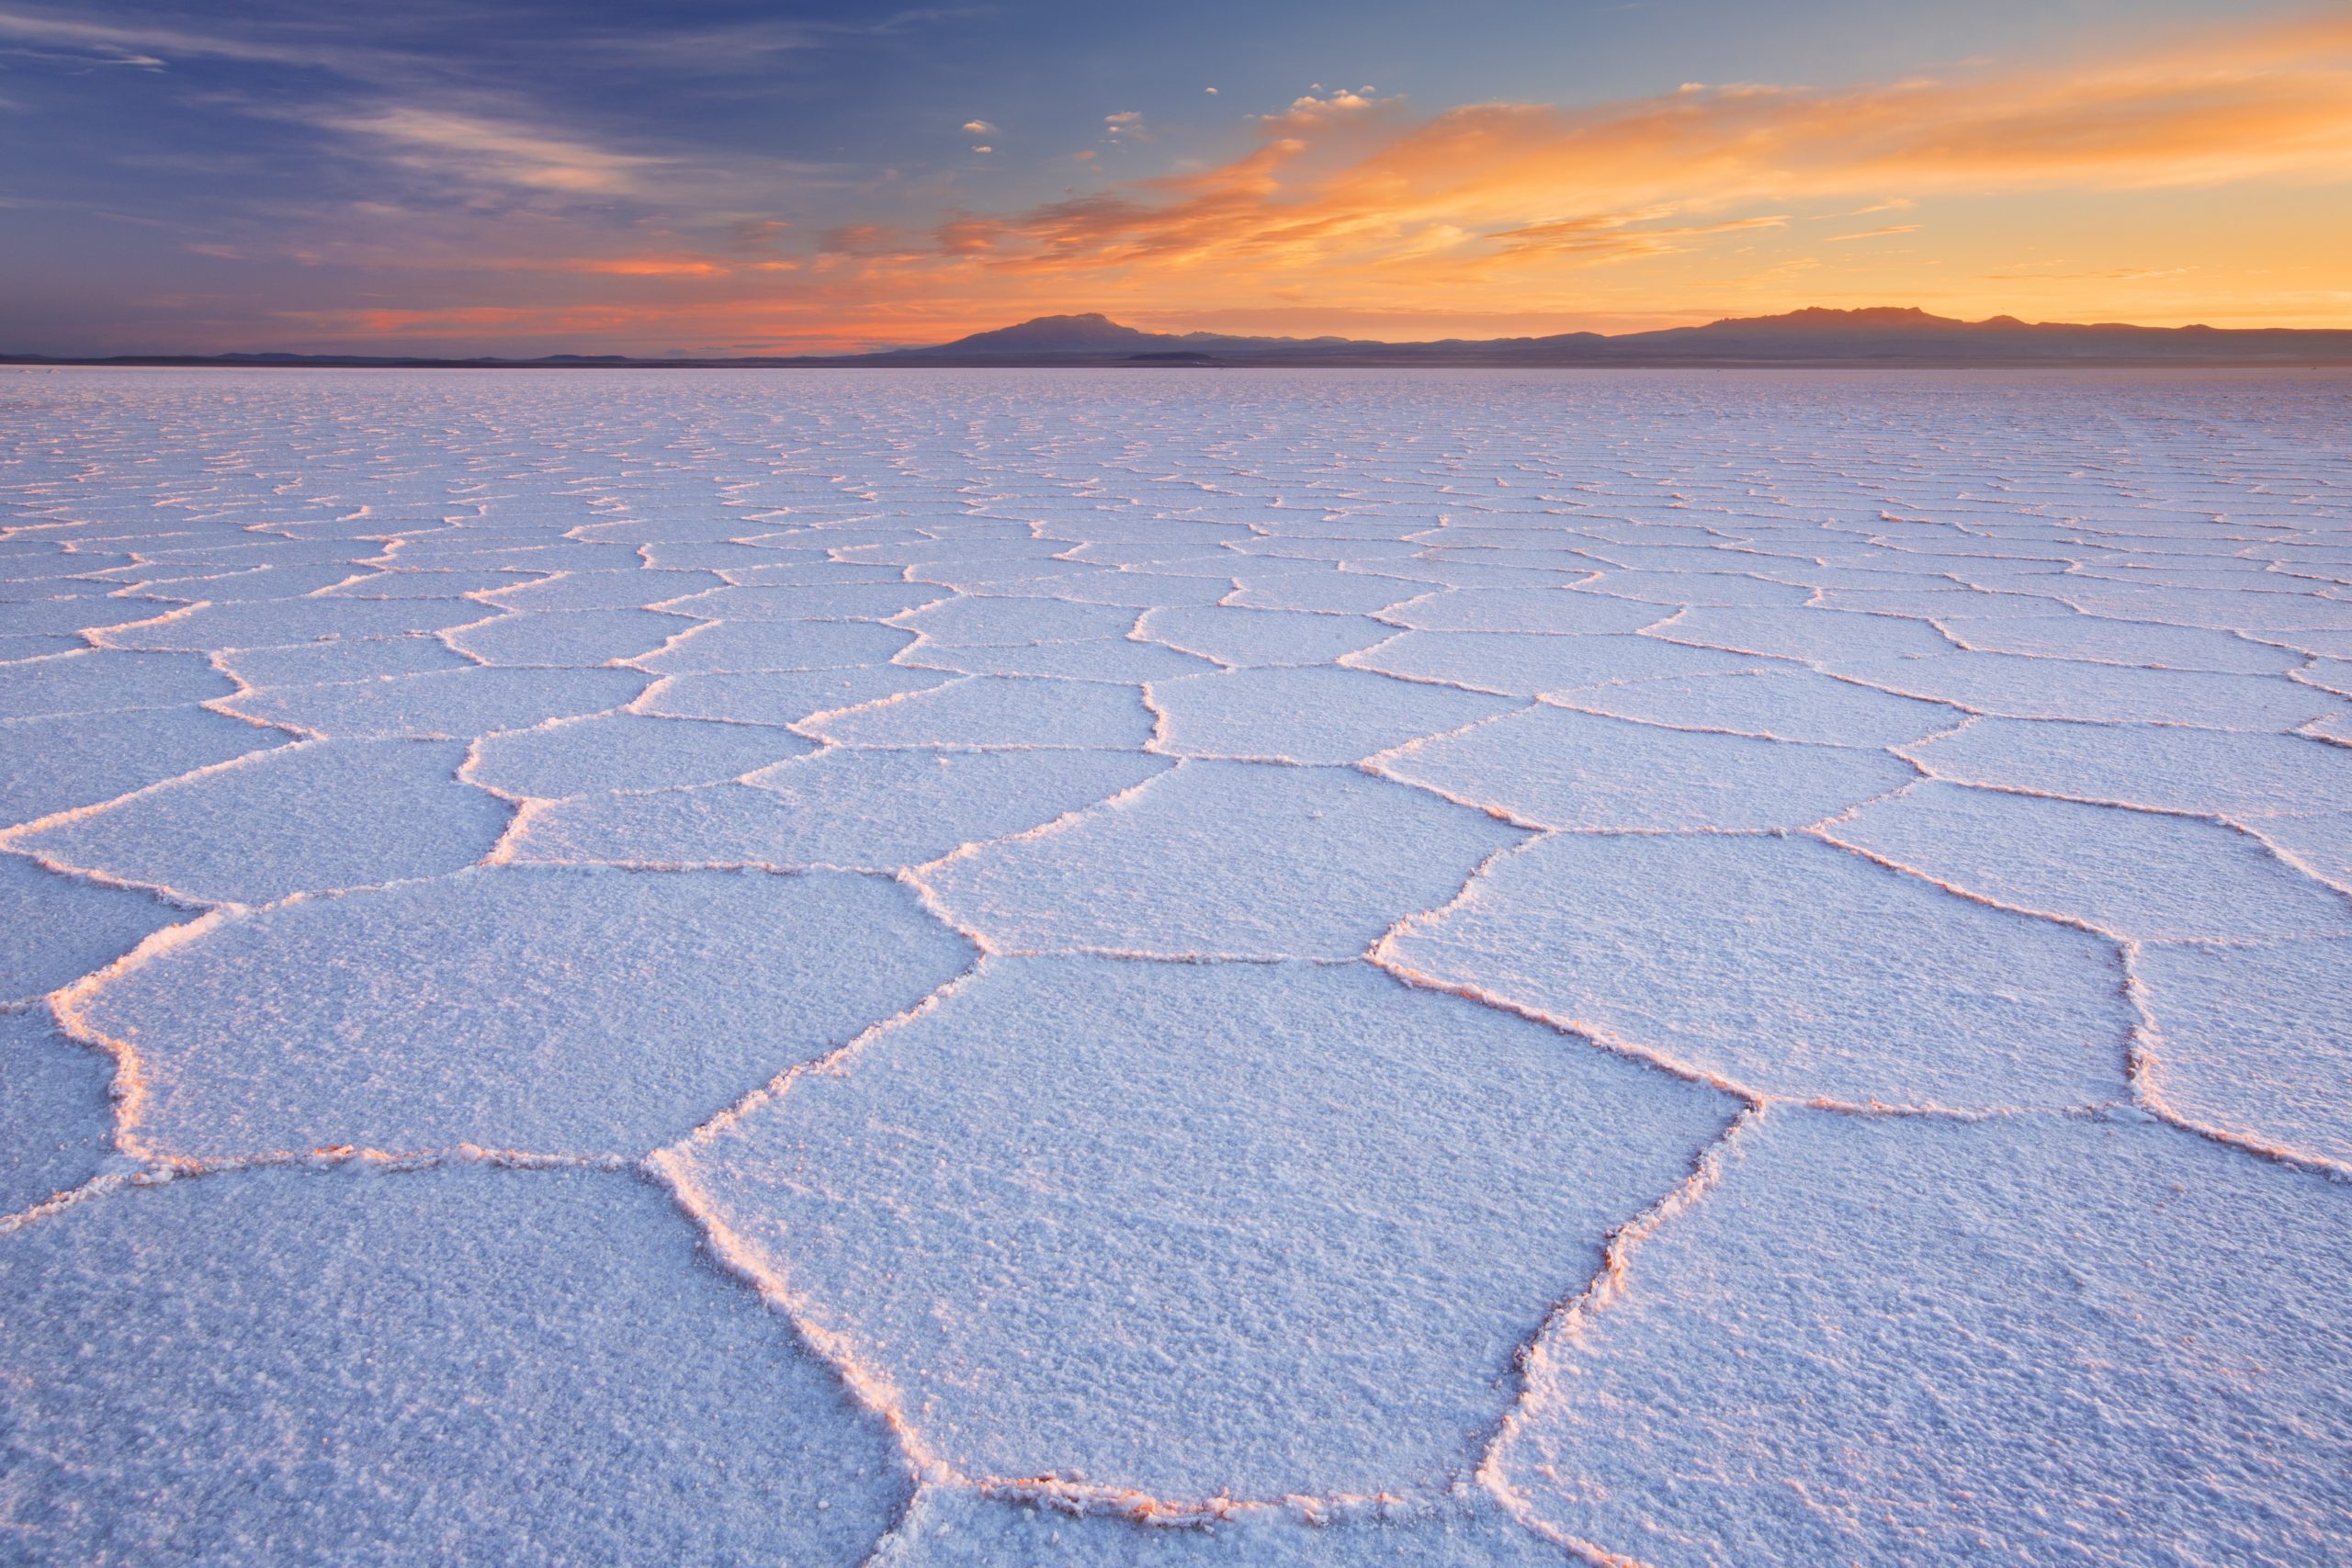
x: 1886, y: 336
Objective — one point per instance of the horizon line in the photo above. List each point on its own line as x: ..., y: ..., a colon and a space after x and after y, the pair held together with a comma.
x: 1816, y: 326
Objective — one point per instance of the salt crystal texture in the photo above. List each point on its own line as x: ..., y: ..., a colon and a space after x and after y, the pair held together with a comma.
x: 1226, y: 1285
x: 1131, y: 968
x: 1224, y: 859
x: 539, y: 1009
x: 60, y: 926
x: 55, y: 1123
x: 1891, y: 1341
x: 320, y: 815
x: 457, y: 1365
x: 1783, y: 965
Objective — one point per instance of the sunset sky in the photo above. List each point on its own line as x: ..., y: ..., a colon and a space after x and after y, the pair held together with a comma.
x: 712, y: 177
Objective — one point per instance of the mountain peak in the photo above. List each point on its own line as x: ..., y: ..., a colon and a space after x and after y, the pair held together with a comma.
x: 1818, y: 318
x: 1091, y: 333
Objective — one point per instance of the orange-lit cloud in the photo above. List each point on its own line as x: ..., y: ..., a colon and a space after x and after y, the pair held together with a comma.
x: 634, y: 266
x: 1336, y: 183
x: 1611, y: 236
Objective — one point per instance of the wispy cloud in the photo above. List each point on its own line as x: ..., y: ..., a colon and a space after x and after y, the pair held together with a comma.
x: 627, y: 266
x: 484, y: 150
x: 648, y: 45
x: 742, y: 46
x: 753, y: 234
x: 155, y: 44
x: 395, y: 105
x: 1619, y: 235
x: 2050, y: 273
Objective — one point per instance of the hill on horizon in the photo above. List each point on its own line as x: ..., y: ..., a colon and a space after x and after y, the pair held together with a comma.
x: 1094, y: 332
x: 1883, y: 335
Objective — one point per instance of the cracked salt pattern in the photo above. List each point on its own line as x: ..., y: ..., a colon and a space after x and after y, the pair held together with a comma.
x: 1288, y: 969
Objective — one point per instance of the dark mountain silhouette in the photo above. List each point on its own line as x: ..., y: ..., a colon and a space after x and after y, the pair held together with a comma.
x: 1892, y: 335
x: 1091, y: 334
x: 1883, y: 335
x: 1900, y: 335
x: 1094, y: 334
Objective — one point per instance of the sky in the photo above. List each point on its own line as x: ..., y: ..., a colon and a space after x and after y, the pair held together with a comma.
x: 707, y: 176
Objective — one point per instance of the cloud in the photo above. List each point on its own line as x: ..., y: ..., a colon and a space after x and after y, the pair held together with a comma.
x: 1341, y: 182
x: 86, y: 58
x: 724, y: 49
x: 978, y: 128
x: 867, y: 240
x: 491, y: 151
x: 755, y: 233
x: 1875, y: 234
x: 627, y: 266
x: 401, y: 115
x: 1614, y: 236
x: 151, y: 45
x: 2047, y: 273
x: 1309, y: 106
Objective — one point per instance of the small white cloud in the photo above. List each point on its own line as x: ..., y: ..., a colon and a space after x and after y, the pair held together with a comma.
x: 1342, y: 100
x: 984, y: 149
x: 978, y: 128
x: 1210, y: 91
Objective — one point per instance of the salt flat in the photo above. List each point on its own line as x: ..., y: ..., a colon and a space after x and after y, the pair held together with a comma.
x: 1149, y: 967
